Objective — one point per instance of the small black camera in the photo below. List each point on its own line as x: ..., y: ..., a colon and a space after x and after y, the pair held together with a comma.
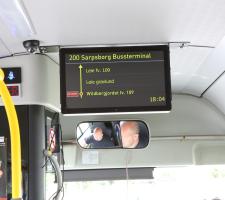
x: 32, y: 46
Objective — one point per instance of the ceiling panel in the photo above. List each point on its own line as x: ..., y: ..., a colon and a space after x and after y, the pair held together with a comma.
x: 216, y: 93
x: 3, y: 49
x: 96, y: 22
x: 83, y: 22
x: 184, y: 63
x: 11, y: 42
x: 128, y: 21
x: 208, y: 71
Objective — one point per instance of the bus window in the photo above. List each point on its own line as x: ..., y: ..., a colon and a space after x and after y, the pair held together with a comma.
x: 191, y: 182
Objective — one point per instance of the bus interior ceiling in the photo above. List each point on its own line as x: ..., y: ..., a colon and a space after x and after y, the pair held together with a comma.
x: 194, y: 66
x: 193, y: 133
x: 196, y: 56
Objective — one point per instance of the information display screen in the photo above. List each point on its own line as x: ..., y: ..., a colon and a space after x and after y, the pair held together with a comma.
x: 115, y: 79
x: 13, y: 90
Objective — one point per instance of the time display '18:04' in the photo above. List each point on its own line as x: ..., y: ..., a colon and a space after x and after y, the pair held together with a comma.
x: 157, y: 99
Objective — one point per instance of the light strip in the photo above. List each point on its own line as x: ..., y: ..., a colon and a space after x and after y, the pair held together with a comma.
x: 14, y: 15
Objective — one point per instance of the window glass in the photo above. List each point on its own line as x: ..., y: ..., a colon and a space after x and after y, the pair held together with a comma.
x: 195, y: 183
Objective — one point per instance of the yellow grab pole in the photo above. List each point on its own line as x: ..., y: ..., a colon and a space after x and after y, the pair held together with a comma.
x: 15, y: 138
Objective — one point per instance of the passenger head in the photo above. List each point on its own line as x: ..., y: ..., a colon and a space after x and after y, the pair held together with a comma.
x: 129, y: 134
x: 98, y: 134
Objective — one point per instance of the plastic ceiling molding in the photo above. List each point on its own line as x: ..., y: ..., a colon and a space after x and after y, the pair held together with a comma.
x: 14, y: 15
x: 4, y: 51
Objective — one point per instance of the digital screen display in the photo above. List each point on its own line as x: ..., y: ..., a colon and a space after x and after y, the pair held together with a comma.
x: 13, y: 90
x: 115, y: 79
x: 12, y: 75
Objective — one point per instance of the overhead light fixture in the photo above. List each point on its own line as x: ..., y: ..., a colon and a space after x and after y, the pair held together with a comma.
x: 14, y: 15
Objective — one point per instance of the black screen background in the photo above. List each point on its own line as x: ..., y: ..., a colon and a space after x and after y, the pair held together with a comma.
x: 146, y: 77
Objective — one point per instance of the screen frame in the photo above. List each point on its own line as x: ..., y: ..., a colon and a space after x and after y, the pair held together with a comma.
x: 142, y: 109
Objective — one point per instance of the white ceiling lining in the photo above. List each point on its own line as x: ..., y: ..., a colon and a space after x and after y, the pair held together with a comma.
x: 212, y: 67
x: 133, y: 21
x: 3, y: 49
x: 184, y: 63
x: 12, y: 43
x: 216, y: 93
x: 113, y: 22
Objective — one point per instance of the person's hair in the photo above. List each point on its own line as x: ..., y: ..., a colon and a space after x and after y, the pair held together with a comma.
x: 136, y: 127
x: 97, y: 129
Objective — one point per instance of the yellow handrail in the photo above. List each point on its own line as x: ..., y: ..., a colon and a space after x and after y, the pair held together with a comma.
x: 15, y: 138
